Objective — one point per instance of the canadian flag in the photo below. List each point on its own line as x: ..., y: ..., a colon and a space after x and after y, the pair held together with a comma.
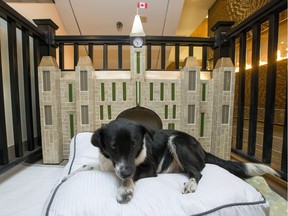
x: 142, y: 5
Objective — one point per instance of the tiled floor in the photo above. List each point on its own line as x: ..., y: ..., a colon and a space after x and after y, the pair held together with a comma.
x: 25, y: 188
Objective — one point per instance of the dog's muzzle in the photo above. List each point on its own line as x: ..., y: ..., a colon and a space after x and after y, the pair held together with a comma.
x: 124, y: 171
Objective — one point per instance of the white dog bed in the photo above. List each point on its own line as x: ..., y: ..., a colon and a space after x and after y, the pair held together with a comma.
x: 92, y: 193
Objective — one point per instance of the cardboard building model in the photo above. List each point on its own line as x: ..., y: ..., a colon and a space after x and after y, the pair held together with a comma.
x: 199, y: 103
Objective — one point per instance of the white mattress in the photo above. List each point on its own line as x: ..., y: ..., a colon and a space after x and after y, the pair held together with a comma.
x: 94, y: 192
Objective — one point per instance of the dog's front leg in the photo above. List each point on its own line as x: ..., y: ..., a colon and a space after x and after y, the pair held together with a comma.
x: 191, y: 185
x: 81, y: 169
x: 125, y: 191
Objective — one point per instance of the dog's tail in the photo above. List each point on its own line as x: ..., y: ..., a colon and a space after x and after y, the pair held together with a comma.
x: 240, y: 169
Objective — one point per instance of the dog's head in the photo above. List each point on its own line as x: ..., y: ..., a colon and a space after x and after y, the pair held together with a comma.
x: 123, y: 142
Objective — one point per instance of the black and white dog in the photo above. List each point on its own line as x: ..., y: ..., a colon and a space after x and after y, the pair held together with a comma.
x: 136, y: 151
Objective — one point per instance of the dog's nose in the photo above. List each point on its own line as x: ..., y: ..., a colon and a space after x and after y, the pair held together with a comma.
x: 126, y: 171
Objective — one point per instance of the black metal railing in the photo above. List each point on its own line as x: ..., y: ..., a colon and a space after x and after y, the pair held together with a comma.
x: 269, y: 13
x: 88, y: 42
x: 18, y: 70
x: 157, y: 44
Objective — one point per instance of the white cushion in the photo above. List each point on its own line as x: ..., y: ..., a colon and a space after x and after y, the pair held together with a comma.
x: 94, y: 192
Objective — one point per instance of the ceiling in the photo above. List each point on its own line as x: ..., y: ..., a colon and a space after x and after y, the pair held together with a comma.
x: 98, y: 17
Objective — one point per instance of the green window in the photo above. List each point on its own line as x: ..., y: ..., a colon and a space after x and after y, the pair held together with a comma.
x: 109, y: 112
x: 113, y: 91
x: 172, y: 91
x: 203, y: 95
x: 151, y: 86
x: 138, y: 92
x: 202, y: 126
x: 174, y: 112
x: 71, y: 122
x: 166, y: 112
x: 161, y: 91
x: 138, y: 62
x: 101, y: 112
x: 102, y: 92
x: 124, y: 88
x: 70, y: 92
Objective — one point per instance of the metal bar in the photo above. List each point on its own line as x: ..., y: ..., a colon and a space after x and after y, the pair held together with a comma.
x: 14, y: 84
x: 232, y: 50
x: 163, y: 57
x: 241, y: 91
x: 37, y: 59
x: 270, y: 88
x: 172, y: 40
x: 61, y: 56
x: 254, y: 90
x: 284, y: 146
x: 204, y: 58
x: 149, y: 57
x: 4, y: 159
x: 177, y: 56
x: 105, y: 56
x: 90, y: 51
x: 120, y: 54
x: 96, y: 40
x: 244, y: 155
x: 76, y: 54
x: 27, y: 90
x: 191, y: 50
x: 125, y: 40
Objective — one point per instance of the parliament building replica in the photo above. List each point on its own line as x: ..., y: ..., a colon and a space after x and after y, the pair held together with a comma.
x: 199, y: 103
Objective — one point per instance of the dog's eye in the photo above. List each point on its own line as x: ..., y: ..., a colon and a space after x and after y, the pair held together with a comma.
x: 133, y: 145
x: 113, y: 147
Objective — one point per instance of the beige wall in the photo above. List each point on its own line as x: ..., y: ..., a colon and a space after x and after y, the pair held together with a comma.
x: 40, y: 11
x: 232, y: 10
x: 45, y: 11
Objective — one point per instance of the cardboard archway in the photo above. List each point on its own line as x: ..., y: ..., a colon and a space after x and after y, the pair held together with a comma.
x: 142, y: 114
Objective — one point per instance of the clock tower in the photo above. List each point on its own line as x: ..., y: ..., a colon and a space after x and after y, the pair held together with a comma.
x: 137, y: 56
x: 137, y: 35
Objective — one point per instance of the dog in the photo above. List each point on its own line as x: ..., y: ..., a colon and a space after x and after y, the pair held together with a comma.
x: 135, y: 151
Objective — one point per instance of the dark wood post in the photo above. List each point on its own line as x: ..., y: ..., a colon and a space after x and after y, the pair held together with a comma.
x: 48, y: 27
x: 270, y: 88
x: 221, y: 45
x: 4, y: 159
x: 14, y: 87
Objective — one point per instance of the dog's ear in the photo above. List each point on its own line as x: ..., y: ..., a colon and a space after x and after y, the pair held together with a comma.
x: 96, y: 138
x: 147, y: 130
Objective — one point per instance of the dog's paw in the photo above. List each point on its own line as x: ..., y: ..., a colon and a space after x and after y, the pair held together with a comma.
x: 124, y: 195
x: 190, y: 186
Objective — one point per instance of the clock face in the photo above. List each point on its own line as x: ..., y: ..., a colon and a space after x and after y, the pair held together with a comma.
x: 138, y: 42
